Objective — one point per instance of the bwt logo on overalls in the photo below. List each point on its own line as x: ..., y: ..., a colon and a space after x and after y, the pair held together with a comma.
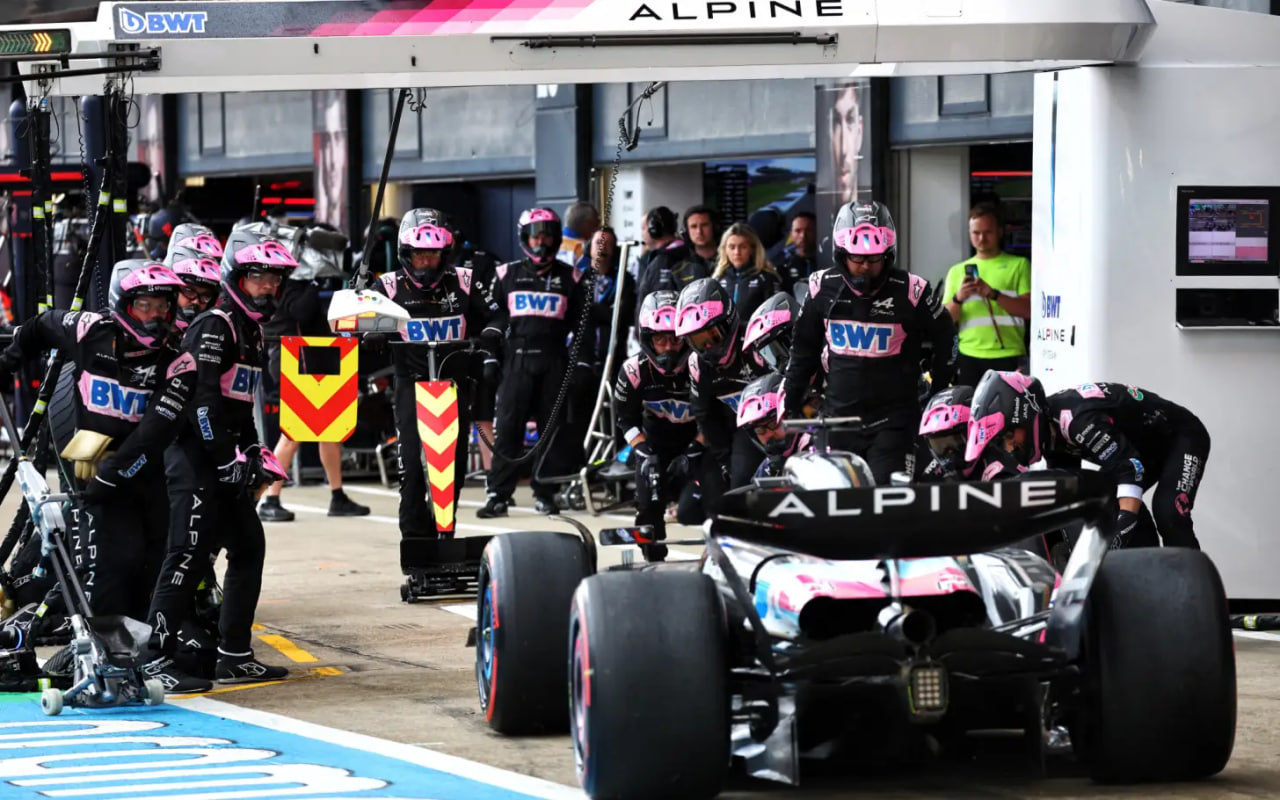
x: 133, y: 23
x: 439, y: 329
x: 105, y: 396
x: 241, y: 382
x: 855, y: 338
x: 537, y: 304
x: 670, y: 410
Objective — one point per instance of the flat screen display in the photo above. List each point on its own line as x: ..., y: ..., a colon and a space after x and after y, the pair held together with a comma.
x: 1227, y: 230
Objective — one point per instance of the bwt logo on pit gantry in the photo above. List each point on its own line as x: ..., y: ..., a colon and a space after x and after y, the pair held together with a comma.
x: 167, y: 22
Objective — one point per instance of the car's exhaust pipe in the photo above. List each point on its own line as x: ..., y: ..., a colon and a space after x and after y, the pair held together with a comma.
x: 909, y: 625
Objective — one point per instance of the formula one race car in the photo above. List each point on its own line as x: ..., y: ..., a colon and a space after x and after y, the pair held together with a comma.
x: 830, y: 617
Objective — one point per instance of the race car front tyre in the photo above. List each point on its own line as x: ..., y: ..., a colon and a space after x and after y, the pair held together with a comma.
x: 649, y: 686
x: 1159, y: 700
x: 526, y: 586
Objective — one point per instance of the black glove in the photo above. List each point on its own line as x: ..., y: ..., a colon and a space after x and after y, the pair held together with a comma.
x: 647, y: 474
x: 375, y: 343
x: 688, y: 465
x: 492, y: 373
x: 491, y: 341
x: 1126, y: 523
x: 99, y: 491
x: 234, y: 474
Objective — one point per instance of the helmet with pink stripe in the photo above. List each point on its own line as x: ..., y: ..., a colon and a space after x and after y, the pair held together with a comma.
x: 768, y: 334
x: 426, y: 230
x: 945, y: 426
x: 658, y: 317
x: 249, y: 253
x: 1009, y: 413
x: 135, y: 279
x: 541, y: 222
x: 190, y: 237
x: 865, y: 243
x: 706, y: 315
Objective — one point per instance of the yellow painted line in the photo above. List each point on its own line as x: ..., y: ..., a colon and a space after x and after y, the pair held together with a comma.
x: 290, y: 650
x: 311, y: 674
x: 258, y: 626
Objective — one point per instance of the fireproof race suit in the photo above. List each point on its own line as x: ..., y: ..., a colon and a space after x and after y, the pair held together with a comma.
x: 1141, y: 440
x: 132, y: 394
x: 537, y: 311
x: 715, y: 391
x: 658, y: 405
x: 447, y: 311
x: 873, y: 346
x: 210, y: 507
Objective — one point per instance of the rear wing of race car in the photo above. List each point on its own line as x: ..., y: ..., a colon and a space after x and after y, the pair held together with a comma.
x: 917, y: 521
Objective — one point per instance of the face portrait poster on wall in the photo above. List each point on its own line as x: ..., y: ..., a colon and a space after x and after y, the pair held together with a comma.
x: 843, y: 149
x: 330, y: 145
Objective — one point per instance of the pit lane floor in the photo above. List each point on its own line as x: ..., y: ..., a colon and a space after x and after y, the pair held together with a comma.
x: 365, y: 662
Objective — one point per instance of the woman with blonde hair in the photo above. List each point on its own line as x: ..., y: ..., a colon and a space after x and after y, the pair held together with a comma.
x: 743, y: 270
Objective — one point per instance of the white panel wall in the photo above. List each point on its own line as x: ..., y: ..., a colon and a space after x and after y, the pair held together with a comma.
x: 937, y: 185
x: 641, y: 188
x: 1104, y: 225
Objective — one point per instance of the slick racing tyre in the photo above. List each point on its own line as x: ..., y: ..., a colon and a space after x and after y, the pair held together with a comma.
x: 649, y: 686
x: 526, y: 586
x: 1159, y: 700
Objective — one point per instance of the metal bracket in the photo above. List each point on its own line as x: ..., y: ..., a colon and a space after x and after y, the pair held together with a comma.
x: 124, y: 58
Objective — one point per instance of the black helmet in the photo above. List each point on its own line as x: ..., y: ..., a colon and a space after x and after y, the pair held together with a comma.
x: 247, y: 252
x: 865, y: 229
x: 1003, y: 404
x: 136, y: 278
x: 541, y: 220
x: 705, y: 306
x: 945, y: 425
x: 658, y: 315
x: 768, y: 335
x: 426, y: 229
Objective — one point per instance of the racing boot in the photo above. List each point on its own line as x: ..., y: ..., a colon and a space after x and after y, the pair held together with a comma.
x: 175, y: 681
x: 15, y: 632
x: 244, y: 668
x: 343, y: 506
x: 496, y: 507
x: 546, y: 504
x: 272, y: 511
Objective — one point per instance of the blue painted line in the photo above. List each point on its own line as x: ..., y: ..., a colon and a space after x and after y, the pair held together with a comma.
x: 204, y: 749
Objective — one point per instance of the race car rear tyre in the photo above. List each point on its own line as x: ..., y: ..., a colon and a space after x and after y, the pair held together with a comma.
x: 649, y: 686
x: 526, y: 586
x: 1160, y: 672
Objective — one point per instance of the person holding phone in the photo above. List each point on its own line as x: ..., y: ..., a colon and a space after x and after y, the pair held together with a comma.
x: 989, y: 298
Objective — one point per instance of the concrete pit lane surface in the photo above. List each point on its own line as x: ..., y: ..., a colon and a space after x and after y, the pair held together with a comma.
x: 381, y: 701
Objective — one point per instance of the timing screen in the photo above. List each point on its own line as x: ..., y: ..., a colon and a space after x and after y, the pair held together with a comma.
x: 1228, y: 230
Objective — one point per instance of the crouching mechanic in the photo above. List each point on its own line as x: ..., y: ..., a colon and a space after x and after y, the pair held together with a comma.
x: 442, y: 307
x: 539, y: 301
x: 944, y: 430
x: 871, y: 323
x: 198, y: 269
x: 120, y: 361
x: 655, y: 418
x: 214, y: 466
x: 1137, y: 437
x: 758, y: 416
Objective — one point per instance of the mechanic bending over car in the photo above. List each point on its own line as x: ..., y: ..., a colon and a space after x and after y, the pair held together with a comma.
x: 1137, y: 437
x: 872, y: 324
x: 429, y: 286
x: 944, y: 430
x: 758, y: 416
x: 655, y: 418
x: 718, y: 372
x: 121, y: 359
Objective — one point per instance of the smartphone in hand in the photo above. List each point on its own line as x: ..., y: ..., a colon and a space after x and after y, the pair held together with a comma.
x: 970, y: 272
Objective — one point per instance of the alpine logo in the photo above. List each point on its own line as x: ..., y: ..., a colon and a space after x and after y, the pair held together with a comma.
x: 883, y: 305
x: 133, y: 23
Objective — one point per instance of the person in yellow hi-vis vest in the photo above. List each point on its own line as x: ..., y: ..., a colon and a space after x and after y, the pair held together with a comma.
x: 989, y: 297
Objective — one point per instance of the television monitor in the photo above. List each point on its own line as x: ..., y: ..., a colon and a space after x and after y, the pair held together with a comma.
x: 1226, y: 231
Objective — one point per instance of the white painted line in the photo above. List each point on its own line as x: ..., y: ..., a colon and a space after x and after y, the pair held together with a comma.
x: 462, y: 526
x: 1265, y: 636
x: 471, y: 770
x: 469, y: 503
x: 467, y: 610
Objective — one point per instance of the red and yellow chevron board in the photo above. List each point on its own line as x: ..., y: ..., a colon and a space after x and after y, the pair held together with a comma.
x: 438, y: 432
x: 318, y: 408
